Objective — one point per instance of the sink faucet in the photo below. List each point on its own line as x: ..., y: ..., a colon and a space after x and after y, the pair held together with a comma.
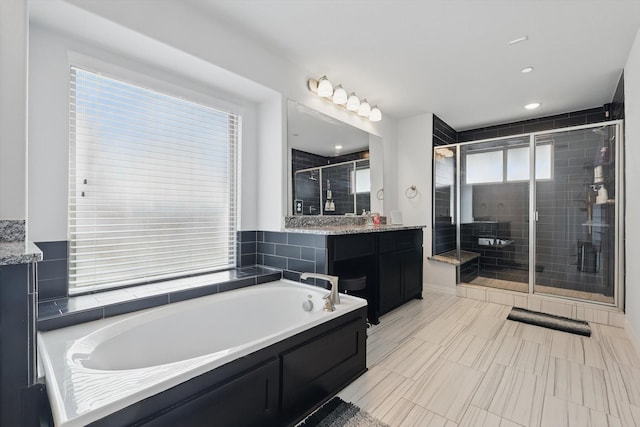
x: 334, y: 295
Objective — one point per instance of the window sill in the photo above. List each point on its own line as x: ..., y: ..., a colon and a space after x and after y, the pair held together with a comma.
x: 62, y: 312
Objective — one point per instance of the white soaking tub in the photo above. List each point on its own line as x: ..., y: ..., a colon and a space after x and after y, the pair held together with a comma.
x: 97, y: 368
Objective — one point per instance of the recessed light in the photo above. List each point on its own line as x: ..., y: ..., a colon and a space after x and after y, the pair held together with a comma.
x: 519, y: 39
x: 526, y: 70
x: 338, y: 147
x: 532, y: 106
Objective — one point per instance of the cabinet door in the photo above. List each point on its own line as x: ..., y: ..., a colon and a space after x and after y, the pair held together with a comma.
x: 391, y: 290
x: 411, y: 273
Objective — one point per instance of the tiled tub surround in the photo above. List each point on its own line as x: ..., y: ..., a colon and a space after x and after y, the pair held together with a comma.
x: 62, y: 312
x: 99, y: 371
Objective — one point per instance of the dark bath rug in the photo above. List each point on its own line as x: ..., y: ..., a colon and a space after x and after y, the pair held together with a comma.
x: 338, y: 413
x: 548, y: 321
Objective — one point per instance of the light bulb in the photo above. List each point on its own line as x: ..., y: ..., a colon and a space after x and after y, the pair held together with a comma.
x: 324, y: 87
x: 339, y: 95
x: 364, y: 108
x: 375, y: 115
x: 353, y: 103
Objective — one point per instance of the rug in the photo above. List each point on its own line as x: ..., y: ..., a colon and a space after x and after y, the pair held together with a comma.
x: 558, y: 323
x: 338, y: 413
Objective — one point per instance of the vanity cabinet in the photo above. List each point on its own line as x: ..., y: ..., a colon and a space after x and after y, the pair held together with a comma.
x: 400, y: 266
x: 391, y: 260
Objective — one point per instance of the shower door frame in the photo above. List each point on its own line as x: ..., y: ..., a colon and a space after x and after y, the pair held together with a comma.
x: 619, y: 249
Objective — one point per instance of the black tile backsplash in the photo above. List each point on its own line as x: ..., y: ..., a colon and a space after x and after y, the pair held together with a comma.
x: 443, y: 134
x: 294, y: 253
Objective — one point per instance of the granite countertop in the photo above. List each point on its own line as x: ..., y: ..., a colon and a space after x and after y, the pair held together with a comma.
x: 350, y: 229
x: 19, y: 252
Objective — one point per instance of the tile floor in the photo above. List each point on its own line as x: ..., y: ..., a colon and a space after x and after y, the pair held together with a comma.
x: 450, y: 361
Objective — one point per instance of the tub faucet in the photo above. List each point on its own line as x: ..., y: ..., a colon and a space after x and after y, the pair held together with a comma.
x: 334, y: 295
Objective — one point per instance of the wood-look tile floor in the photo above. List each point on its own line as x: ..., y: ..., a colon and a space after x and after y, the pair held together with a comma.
x: 449, y: 361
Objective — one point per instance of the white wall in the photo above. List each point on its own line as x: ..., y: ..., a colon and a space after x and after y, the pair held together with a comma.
x: 50, y: 56
x: 13, y: 108
x: 632, y: 196
x: 148, y: 28
x: 414, y: 167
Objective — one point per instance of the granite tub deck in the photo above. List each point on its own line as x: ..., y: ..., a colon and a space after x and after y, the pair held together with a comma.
x: 20, y: 252
x: 13, y: 248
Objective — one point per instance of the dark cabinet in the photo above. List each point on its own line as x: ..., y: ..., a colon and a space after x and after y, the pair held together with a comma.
x: 400, y: 262
x: 391, y: 260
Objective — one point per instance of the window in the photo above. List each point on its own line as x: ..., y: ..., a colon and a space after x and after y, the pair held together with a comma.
x: 152, y: 184
x: 361, y: 180
x: 484, y: 167
x: 488, y: 167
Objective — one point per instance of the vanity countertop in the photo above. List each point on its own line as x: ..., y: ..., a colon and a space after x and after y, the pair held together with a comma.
x: 19, y: 252
x: 351, y: 229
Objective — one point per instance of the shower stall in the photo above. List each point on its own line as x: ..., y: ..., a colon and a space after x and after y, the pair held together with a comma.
x: 536, y: 213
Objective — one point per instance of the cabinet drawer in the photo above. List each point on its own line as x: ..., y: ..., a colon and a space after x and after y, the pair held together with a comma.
x: 398, y: 240
x: 347, y: 247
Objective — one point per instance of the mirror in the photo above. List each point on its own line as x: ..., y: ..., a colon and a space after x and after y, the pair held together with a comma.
x: 324, y: 179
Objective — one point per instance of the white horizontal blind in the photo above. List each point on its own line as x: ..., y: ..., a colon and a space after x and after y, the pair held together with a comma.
x: 152, y: 184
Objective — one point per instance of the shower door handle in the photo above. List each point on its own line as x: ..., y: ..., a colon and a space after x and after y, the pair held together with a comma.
x: 536, y: 216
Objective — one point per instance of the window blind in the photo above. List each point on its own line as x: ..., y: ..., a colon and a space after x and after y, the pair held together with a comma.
x: 152, y: 184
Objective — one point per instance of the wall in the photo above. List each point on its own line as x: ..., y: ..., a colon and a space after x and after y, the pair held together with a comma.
x: 50, y: 56
x: 13, y: 109
x: 632, y: 196
x: 215, y: 43
x: 415, y: 168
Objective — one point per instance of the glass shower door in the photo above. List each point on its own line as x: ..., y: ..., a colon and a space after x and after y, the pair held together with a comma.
x: 575, y: 204
x: 494, y: 211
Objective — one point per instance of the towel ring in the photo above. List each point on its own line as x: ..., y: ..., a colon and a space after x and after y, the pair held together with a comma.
x: 380, y: 194
x: 411, y: 192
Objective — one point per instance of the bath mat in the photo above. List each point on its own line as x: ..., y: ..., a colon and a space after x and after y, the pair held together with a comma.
x: 338, y: 413
x: 549, y: 321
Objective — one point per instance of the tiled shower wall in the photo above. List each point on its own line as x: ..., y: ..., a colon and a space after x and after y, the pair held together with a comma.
x: 308, y: 190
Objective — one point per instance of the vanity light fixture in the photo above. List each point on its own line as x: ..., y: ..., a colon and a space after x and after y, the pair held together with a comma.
x: 325, y: 89
x: 338, y: 95
x: 532, y: 106
x: 375, y: 115
x: 353, y: 103
x: 526, y: 70
x: 364, y: 108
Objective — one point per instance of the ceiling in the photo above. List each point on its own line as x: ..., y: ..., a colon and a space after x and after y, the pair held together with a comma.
x: 450, y: 57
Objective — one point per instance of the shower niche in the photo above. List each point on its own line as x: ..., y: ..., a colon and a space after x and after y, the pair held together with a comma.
x: 535, y: 213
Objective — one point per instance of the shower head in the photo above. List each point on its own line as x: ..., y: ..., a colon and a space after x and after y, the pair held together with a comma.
x: 312, y: 177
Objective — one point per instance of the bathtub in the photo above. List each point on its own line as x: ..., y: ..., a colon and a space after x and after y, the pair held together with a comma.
x: 95, y: 369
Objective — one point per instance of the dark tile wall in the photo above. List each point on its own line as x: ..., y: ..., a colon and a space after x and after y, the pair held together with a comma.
x: 308, y: 190
x: 247, y: 246
x: 18, y: 299
x: 443, y: 134
x: 574, y: 118
x: 293, y: 253
x: 53, y: 271
x: 617, y: 103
